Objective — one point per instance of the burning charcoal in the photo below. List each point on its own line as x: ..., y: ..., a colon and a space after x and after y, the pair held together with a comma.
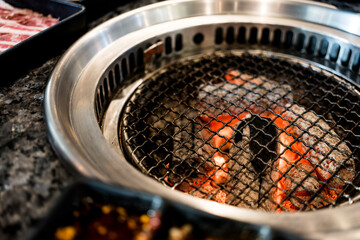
x: 205, y: 147
x: 327, y: 152
x: 269, y: 90
x: 223, y: 105
x: 259, y: 151
x: 244, y: 184
x: 194, y: 178
x: 300, y: 179
x: 199, y: 184
x: 252, y: 153
x: 236, y: 96
x: 185, y: 143
x: 171, y: 127
x: 191, y: 168
x: 306, y: 164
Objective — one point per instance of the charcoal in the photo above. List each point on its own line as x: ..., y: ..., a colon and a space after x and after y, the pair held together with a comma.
x: 252, y: 154
x: 254, y: 173
x: 185, y: 143
x: 199, y: 183
x: 326, y: 150
x: 300, y: 152
x: 235, y: 99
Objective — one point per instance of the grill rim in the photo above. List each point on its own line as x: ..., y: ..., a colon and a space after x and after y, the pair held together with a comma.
x: 69, y: 146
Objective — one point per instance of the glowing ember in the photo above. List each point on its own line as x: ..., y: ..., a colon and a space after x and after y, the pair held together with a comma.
x: 302, y: 164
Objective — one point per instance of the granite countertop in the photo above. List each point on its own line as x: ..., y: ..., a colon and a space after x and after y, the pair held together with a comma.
x: 31, y: 175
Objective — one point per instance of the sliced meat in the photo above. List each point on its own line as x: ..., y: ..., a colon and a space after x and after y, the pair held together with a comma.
x: 17, y: 25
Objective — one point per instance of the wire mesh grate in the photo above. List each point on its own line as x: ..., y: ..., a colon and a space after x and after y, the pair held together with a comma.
x: 247, y: 130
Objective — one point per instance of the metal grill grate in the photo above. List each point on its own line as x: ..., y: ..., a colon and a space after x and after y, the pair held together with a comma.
x: 247, y: 130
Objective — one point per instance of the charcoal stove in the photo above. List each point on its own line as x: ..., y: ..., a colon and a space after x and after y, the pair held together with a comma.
x: 252, y: 104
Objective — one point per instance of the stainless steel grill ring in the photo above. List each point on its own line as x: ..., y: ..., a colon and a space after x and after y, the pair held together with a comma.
x: 96, y: 77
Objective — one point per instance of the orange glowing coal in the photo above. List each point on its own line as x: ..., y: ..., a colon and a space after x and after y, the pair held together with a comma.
x: 291, y: 154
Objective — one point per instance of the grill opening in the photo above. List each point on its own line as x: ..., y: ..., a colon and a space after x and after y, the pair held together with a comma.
x: 248, y: 130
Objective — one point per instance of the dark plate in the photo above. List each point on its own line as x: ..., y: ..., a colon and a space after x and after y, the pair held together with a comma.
x: 171, y: 215
x: 74, y: 197
x: 32, y: 52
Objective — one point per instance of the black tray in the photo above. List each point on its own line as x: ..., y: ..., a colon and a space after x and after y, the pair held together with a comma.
x: 97, y: 8
x: 32, y: 52
x: 171, y: 214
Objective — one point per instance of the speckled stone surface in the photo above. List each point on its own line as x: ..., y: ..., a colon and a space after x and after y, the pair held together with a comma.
x: 31, y: 175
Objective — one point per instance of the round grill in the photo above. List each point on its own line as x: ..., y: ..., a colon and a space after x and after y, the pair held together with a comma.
x: 252, y: 104
x: 247, y: 130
